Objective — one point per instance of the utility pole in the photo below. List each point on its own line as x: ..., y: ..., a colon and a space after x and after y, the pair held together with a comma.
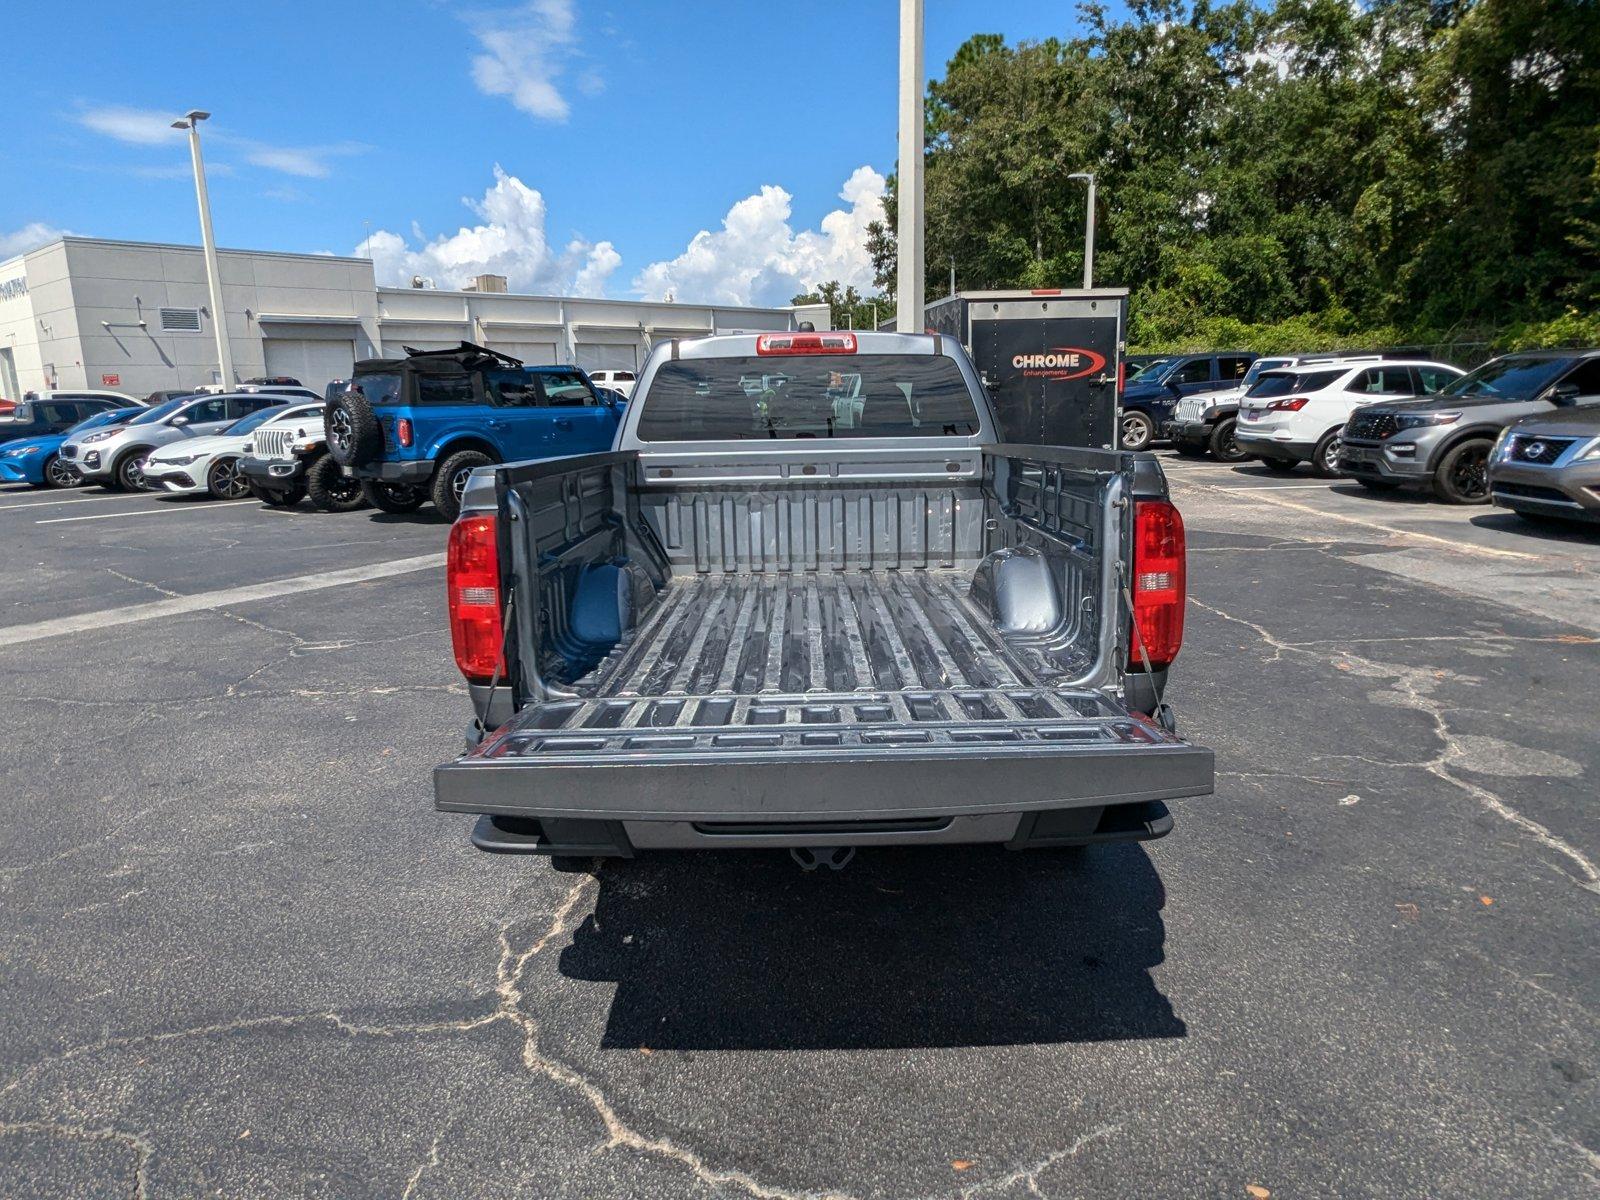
x: 909, y: 317
x: 219, y: 321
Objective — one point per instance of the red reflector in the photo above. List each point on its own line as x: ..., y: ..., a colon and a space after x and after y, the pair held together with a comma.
x: 1159, y: 584
x: 1046, y: 292
x: 472, y: 573
x: 806, y: 343
x: 1122, y: 376
x: 402, y: 430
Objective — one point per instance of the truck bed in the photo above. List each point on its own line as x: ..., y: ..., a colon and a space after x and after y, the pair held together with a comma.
x: 907, y: 672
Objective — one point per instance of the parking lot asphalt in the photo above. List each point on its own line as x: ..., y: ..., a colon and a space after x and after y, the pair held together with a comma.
x: 242, y: 956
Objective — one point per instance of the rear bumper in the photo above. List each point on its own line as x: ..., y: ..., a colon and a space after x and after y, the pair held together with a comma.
x: 1023, y: 831
x: 396, y: 472
x: 1265, y: 446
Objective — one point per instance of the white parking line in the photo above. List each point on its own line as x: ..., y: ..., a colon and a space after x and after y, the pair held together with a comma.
x: 15, y: 635
x: 148, y: 512
x: 1325, y: 514
x: 5, y: 508
x: 1276, y: 487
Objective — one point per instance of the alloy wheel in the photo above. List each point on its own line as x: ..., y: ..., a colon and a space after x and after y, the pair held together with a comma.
x: 61, y: 475
x: 1469, y: 475
x: 1135, y: 434
x: 231, y: 482
x: 341, y: 435
x: 458, y: 483
x: 1330, y: 456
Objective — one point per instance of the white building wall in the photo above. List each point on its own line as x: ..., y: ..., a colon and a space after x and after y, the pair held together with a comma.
x: 88, y: 311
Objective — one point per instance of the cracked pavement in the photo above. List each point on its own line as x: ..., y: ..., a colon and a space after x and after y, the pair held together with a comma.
x: 241, y: 955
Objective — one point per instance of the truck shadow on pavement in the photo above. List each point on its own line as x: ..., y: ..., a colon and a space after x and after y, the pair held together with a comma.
x: 973, y: 946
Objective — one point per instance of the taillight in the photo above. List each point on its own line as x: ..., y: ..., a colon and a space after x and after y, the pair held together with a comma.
x: 472, y: 573
x: 1294, y: 405
x: 1159, y: 584
x: 402, y: 430
x: 806, y: 343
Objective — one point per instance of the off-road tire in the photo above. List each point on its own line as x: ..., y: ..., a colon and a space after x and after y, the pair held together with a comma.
x: 127, y: 474
x: 1462, y: 476
x: 225, y: 482
x: 355, y: 438
x: 393, y: 497
x: 450, y: 480
x: 1136, y: 430
x: 276, y: 497
x: 331, y: 489
x: 1224, y: 446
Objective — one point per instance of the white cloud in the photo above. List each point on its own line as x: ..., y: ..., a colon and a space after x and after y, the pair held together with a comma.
x: 526, y: 52
x: 755, y: 258
x: 135, y: 126
x: 30, y: 237
x: 510, y: 240
x: 147, y: 127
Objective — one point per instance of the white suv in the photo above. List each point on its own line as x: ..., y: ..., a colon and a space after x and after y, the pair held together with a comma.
x: 1294, y: 415
x: 617, y: 381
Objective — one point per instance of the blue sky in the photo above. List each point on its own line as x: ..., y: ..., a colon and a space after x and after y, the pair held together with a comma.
x: 620, y: 131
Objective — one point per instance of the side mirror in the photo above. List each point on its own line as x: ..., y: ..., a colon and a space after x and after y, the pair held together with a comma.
x: 179, y: 422
x: 1564, y: 394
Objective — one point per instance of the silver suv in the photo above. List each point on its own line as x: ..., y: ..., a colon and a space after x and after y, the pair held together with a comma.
x: 114, y: 457
x: 1442, y: 442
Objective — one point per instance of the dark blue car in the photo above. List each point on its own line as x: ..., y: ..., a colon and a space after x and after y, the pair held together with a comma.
x: 1149, y: 398
x: 413, y: 429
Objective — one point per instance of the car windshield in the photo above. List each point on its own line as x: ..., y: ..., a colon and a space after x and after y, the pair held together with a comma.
x: 833, y: 396
x: 151, y: 415
x: 260, y: 417
x: 114, y: 416
x: 1513, y: 378
x: 1149, y: 371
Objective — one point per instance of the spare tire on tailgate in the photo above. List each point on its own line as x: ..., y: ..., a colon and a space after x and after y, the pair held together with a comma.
x: 354, y: 436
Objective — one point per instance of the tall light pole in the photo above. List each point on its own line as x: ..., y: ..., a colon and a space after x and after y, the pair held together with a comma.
x: 219, y: 321
x: 1088, y: 231
x: 909, y: 316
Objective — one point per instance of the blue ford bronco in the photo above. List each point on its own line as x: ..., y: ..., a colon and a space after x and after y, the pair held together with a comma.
x: 413, y: 429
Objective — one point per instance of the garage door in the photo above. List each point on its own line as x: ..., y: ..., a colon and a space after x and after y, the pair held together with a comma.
x: 607, y: 356
x: 534, y: 354
x: 313, y: 363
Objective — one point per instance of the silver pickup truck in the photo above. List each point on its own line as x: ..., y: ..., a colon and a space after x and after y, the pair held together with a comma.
x: 809, y: 602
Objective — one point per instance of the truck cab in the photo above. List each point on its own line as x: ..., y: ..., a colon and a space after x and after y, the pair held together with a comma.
x: 413, y: 430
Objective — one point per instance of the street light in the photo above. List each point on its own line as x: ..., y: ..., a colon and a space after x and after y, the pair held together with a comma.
x: 219, y: 323
x: 909, y: 316
x: 1088, y: 230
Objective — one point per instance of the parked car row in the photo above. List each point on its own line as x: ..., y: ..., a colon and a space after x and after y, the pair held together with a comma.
x: 398, y: 434
x: 1521, y: 431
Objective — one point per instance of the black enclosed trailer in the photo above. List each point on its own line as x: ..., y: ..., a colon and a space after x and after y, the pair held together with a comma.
x: 1051, y: 359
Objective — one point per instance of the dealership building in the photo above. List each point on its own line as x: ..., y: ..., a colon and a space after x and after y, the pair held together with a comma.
x: 135, y: 317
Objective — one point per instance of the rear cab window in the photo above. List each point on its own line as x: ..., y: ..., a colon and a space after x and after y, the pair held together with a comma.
x: 855, y: 396
x: 378, y: 389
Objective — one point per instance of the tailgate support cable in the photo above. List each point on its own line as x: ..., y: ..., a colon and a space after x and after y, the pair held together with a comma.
x: 1144, y: 652
x: 494, y: 680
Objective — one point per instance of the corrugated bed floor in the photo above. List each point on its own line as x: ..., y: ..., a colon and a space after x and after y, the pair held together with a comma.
x: 788, y: 634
